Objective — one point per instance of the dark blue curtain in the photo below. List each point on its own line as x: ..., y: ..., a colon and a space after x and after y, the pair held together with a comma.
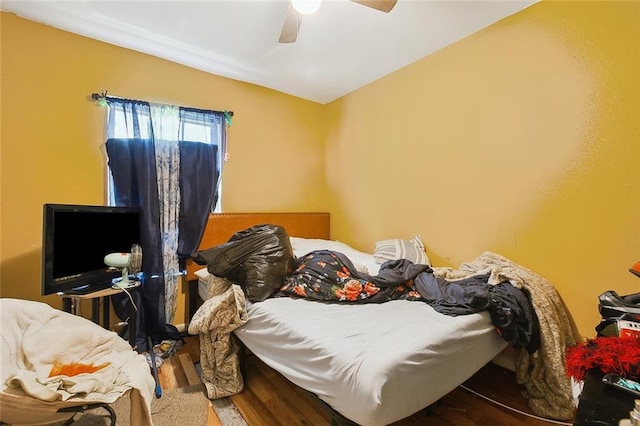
x: 132, y: 163
x: 198, y: 182
x: 133, y: 169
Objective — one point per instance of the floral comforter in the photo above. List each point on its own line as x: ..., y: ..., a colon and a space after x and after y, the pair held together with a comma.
x: 331, y: 277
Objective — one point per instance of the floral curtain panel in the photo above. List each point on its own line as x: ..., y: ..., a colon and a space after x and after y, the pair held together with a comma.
x: 165, y: 121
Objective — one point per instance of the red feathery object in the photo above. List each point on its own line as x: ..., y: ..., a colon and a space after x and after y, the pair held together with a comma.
x: 620, y: 355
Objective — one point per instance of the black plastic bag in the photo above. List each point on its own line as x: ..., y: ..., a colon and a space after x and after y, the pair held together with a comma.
x: 258, y: 259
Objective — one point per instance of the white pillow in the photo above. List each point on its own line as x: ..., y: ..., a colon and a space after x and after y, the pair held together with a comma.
x: 302, y: 246
x: 202, y: 273
x: 215, y: 285
x: 412, y: 250
x: 363, y: 262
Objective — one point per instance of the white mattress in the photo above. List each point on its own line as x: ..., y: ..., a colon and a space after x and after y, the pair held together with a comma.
x: 203, y: 284
x: 373, y: 363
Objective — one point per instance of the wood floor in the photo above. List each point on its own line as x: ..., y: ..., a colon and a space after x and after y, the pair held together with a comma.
x: 271, y: 400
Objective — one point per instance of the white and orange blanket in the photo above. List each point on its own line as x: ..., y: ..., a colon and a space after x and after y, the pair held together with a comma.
x: 52, y: 360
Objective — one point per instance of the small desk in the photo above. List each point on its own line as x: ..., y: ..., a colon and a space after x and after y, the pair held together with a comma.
x: 601, y: 404
x: 70, y: 302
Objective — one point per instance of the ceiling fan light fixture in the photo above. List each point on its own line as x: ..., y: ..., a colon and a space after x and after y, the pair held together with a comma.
x: 306, y: 7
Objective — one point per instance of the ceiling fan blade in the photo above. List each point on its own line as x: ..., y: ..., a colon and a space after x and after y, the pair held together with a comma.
x: 381, y: 5
x: 290, y: 26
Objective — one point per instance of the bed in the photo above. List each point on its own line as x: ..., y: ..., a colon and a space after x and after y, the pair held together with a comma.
x: 373, y: 364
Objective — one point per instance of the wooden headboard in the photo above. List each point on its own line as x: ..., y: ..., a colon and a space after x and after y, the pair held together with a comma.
x: 221, y: 226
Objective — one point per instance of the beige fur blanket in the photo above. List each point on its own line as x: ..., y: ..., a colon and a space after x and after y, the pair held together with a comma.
x: 543, y: 374
x: 35, y: 336
x: 214, y: 321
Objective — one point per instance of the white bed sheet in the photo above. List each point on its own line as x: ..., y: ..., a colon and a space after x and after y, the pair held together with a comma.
x: 373, y: 363
x: 203, y: 283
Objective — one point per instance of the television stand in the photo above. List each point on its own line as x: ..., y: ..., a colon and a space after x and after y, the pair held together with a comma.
x: 88, y: 289
x: 71, y: 301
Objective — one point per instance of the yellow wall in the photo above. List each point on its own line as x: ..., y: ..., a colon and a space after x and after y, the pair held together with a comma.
x: 52, y: 136
x: 522, y: 139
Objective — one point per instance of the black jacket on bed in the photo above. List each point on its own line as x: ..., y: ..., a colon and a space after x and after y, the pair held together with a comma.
x: 510, y: 308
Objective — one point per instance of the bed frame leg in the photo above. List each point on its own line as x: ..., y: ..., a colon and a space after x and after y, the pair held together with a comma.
x: 192, y: 300
x: 339, y: 420
x: 428, y: 410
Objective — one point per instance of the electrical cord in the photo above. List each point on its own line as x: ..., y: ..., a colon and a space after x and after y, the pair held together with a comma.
x: 126, y: 291
x: 557, y: 422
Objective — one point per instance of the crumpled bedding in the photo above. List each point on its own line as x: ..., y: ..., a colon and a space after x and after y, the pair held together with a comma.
x: 543, y: 373
x: 214, y: 321
x: 330, y: 276
x: 34, y: 336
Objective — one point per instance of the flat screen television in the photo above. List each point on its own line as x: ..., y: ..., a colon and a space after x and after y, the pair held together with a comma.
x: 75, y: 240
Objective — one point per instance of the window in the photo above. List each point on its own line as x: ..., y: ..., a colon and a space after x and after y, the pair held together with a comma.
x: 167, y: 160
x: 132, y: 120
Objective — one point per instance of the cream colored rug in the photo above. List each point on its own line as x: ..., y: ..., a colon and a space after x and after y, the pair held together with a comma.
x: 183, y: 406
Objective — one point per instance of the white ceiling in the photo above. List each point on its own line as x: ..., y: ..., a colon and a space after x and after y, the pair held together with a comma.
x: 342, y: 47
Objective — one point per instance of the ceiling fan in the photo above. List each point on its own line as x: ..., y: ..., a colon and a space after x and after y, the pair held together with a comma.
x: 297, y: 9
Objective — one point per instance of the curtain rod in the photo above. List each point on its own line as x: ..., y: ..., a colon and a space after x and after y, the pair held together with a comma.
x: 103, y: 96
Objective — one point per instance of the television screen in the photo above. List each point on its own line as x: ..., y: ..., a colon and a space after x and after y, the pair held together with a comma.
x: 75, y: 240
